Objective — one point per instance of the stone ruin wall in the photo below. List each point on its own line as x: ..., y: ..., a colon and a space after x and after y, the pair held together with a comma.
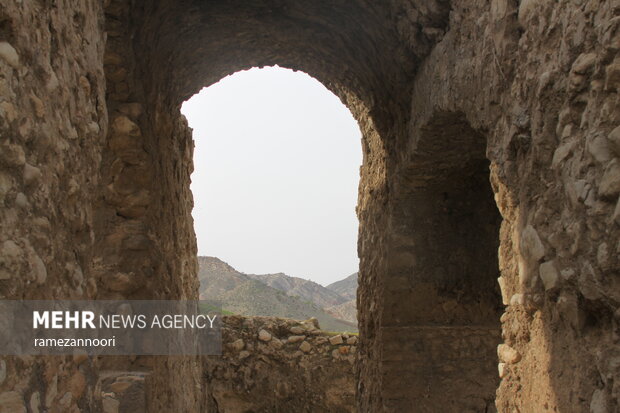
x: 94, y: 187
x: 269, y: 365
x: 83, y: 186
x: 273, y: 365
x: 53, y: 124
x: 539, y: 81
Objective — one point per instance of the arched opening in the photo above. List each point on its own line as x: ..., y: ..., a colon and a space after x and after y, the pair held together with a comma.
x: 275, y: 183
x: 442, y: 308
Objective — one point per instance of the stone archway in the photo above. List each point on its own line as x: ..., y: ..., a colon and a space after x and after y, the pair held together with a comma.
x: 397, y: 73
x: 412, y: 305
x: 441, y: 303
x: 161, y: 53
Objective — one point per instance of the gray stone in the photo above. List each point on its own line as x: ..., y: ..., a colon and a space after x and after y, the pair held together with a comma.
x: 38, y: 268
x: 12, y: 155
x: 32, y: 174
x: 11, y: 249
x: 528, y: 273
x: 517, y: 299
x: 305, y: 347
x: 584, y: 63
x: 503, y: 289
x: 35, y: 402
x: 598, y: 404
x: 561, y: 153
x: 531, y: 245
x: 335, y: 340
x: 549, y: 275
x: 237, y: 345
x: 296, y: 339
x: 39, y: 106
x: 9, y: 54
x: 498, y: 9
x: 276, y: 343
x: 610, y: 182
x: 600, y: 149
x: 502, y: 369
x: 10, y: 256
x: 614, y: 140
x: 122, y: 125
x: 21, y: 200
x: 7, y: 110
x: 264, y: 335
x: 311, y: 324
x: 582, y: 188
x: 508, y: 354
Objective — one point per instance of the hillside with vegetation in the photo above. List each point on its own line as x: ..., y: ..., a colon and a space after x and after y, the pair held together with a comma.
x: 298, y: 287
x: 241, y: 294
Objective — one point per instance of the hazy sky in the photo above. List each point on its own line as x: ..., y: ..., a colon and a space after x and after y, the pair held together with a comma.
x: 276, y: 173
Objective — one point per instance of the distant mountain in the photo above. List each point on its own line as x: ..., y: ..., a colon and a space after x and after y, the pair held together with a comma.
x: 241, y: 294
x: 346, y: 288
x: 345, y: 311
x: 298, y: 287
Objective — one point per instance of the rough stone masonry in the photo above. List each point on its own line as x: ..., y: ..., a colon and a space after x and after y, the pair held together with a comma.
x: 488, y: 203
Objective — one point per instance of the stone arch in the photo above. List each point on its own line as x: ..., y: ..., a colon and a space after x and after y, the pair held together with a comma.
x: 343, y: 44
x: 161, y: 53
x: 441, y: 303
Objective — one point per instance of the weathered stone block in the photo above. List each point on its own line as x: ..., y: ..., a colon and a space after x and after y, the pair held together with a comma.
x: 549, y: 275
x: 9, y: 55
x: 610, y: 182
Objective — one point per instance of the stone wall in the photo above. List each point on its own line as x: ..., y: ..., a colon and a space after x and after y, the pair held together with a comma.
x: 268, y: 365
x: 539, y: 80
x: 487, y: 126
x: 53, y: 123
x: 145, y: 241
x: 273, y: 365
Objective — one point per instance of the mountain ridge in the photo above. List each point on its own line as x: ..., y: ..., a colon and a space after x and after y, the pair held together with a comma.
x: 242, y: 294
x: 347, y: 287
x: 295, y: 286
